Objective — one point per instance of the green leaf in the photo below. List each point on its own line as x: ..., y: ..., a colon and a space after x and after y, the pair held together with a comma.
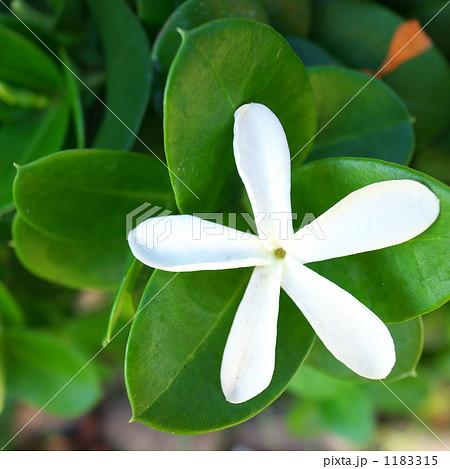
x: 433, y: 158
x: 340, y: 406
x: 408, y: 339
x: 70, y: 263
x: 396, y: 283
x: 2, y: 368
x: 29, y: 139
x: 376, y: 124
x: 39, y: 365
x: 35, y: 70
x: 155, y: 12
x: 290, y: 16
x: 10, y: 312
x: 219, y: 67
x: 361, y: 39
x: 175, y: 350
x: 73, y: 210
x: 311, y: 53
x: 314, y: 385
x: 351, y: 414
x: 189, y: 15
x: 128, y: 72
x: 128, y: 296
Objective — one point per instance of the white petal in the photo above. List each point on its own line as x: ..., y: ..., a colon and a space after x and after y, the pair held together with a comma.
x: 262, y: 158
x: 186, y: 243
x: 249, y: 357
x: 374, y: 217
x: 349, y: 330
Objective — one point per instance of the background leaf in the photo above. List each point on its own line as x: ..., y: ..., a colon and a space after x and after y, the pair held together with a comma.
x: 73, y: 205
x: 396, y: 283
x: 375, y: 124
x: 27, y: 140
x: 290, y: 16
x: 175, y: 350
x: 10, y: 312
x: 35, y: 70
x: 39, y: 365
x: 128, y: 87
x: 311, y: 53
x: 219, y: 67
x: 361, y: 39
x: 128, y: 296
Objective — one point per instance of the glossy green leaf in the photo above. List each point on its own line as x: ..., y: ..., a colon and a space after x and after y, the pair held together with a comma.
x: 35, y: 70
x: 39, y: 365
x: 175, y: 350
x: 189, y: 15
x: 129, y: 295
x: 311, y: 53
x: 290, y: 16
x: 128, y: 70
x: 10, y: 312
x: 408, y: 339
x: 375, y: 124
x: 361, y: 39
x: 27, y: 140
x: 396, y: 283
x: 219, y: 67
x: 74, y: 204
x: 70, y: 263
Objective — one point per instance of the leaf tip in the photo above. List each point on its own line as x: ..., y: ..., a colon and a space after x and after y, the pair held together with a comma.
x: 182, y: 32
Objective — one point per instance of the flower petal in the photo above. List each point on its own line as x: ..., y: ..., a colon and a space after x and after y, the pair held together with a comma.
x: 263, y: 162
x: 249, y: 357
x: 374, y: 217
x: 184, y: 242
x: 349, y: 330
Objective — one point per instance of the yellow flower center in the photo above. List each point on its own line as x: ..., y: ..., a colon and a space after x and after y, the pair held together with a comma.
x: 279, y: 253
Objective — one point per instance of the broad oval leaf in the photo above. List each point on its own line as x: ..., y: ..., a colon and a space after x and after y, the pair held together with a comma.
x: 127, y: 60
x: 39, y: 365
x: 175, y: 351
x: 219, y: 67
x: 68, y: 262
x: 78, y: 201
x: 189, y: 15
x: 396, y: 283
x: 375, y: 124
x: 408, y: 339
x: 361, y: 39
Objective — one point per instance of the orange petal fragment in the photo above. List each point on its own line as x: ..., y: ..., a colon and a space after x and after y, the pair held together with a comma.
x: 399, y: 52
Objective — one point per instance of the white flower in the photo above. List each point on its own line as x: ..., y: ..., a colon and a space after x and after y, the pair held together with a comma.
x: 374, y: 217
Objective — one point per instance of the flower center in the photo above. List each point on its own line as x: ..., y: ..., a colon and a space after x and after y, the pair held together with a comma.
x: 279, y: 253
